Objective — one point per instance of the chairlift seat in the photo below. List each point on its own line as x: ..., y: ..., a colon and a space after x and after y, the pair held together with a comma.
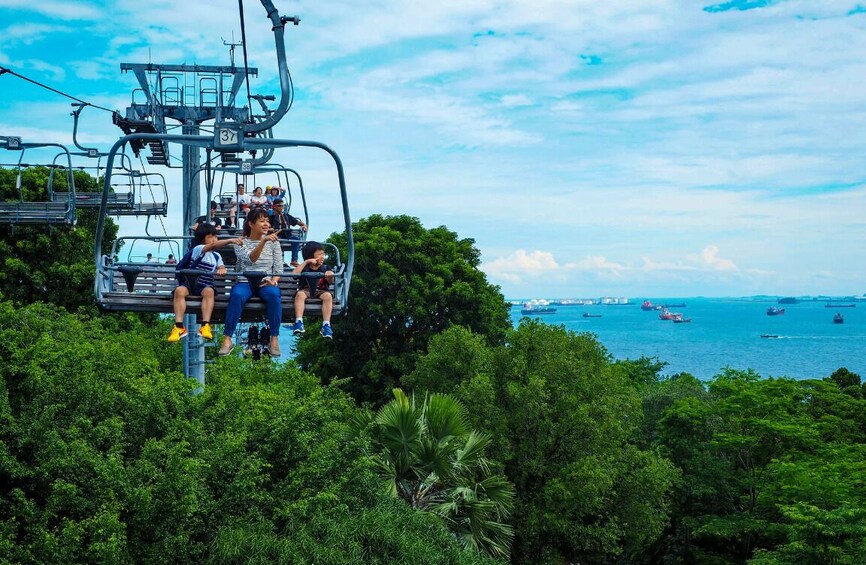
x: 142, y: 209
x: 154, y: 285
x: 116, y: 200
x: 35, y: 213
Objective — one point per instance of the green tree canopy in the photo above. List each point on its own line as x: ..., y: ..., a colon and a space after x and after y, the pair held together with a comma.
x: 565, y: 423
x: 772, y: 469
x: 107, y: 457
x: 410, y: 283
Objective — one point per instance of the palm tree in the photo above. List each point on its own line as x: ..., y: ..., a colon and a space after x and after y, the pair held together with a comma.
x: 429, y: 457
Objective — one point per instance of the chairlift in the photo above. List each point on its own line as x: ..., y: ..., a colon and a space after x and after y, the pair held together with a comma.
x: 283, y: 181
x: 130, y: 198
x: 44, y: 212
x: 118, y: 201
x: 133, y: 285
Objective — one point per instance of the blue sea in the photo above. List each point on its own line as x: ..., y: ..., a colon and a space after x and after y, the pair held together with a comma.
x: 727, y: 333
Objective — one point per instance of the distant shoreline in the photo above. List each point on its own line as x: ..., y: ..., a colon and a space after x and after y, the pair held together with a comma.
x: 755, y: 298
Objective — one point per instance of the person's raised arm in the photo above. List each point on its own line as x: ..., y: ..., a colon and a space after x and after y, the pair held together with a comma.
x: 300, y: 266
x: 257, y: 252
x: 222, y: 243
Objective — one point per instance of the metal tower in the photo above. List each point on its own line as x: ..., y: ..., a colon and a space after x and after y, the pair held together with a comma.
x: 192, y: 95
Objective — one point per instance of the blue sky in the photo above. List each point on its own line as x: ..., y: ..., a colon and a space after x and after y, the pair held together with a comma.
x: 634, y: 148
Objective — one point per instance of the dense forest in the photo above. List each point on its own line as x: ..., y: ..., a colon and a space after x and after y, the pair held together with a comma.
x: 429, y: 431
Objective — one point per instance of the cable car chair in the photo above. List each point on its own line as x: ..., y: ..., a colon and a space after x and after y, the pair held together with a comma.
x: 135, y: 286
x: 133, y: 194
x: 48, y: 212
x: 117, y: 201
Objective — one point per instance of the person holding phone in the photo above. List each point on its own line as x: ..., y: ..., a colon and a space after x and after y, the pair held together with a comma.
x: 259, y: 251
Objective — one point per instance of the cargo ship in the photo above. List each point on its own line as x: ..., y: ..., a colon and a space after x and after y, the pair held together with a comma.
x: 534, y: 307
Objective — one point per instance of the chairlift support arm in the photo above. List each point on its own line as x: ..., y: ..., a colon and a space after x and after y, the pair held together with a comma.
x: 279, y: 25
x: 79, y: 106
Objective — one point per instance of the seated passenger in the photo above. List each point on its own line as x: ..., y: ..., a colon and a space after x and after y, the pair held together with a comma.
x: 257, y: 198
x: 314, y: 262
x: 258, y: 250
x: 204, y: 259
x: 282, y: 221
x: 244, y: 201
x: 275, y: 193
x: 214, y: 221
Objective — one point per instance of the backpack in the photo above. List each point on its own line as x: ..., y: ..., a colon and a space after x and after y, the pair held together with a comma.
x: 186, y: 262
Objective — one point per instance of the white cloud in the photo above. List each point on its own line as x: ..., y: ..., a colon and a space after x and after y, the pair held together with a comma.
x: 515, y: 100
x: 522, y: 267
x: 39, y: 70
x: 93, y: 70
x: 709, y: 256
x: 650, y: 265
x: 30, y: 32
x: 464, y: 124
x: 641, y: 142
x: 595, y: 263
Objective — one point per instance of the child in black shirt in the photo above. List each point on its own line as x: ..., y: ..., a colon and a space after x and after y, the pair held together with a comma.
x: 314, y: 262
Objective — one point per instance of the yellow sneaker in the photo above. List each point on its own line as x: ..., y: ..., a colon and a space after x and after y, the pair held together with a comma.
x: 205, y: 331
x: 176, y: 334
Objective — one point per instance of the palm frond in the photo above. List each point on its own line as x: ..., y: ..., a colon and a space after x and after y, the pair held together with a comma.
x: 398, y: 425
x: 445, y: 418
x: 429, y: 457
x: 472, y: 452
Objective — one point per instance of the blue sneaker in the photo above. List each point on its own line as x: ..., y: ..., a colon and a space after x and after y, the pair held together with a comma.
x: 298, y: 328
x: 327, y: 332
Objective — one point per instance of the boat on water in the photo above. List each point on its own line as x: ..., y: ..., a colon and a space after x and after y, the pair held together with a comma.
x: 588, y: 315
x: 534, y: 307
x: 831, y: 305
x: 668, y: 315
x: 533, y: 310
x: 838, y: 319
x: 682, y: 320
x: 773, y: 311
x: 769, y: 336
x: 647, y: 305
x: 680, y: 305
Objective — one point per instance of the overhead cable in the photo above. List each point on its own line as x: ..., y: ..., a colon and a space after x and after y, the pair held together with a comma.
x: 246, y: 63
x: 4, y: 70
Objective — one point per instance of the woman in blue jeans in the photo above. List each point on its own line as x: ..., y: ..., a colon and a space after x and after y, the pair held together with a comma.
x: 260, y: 252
